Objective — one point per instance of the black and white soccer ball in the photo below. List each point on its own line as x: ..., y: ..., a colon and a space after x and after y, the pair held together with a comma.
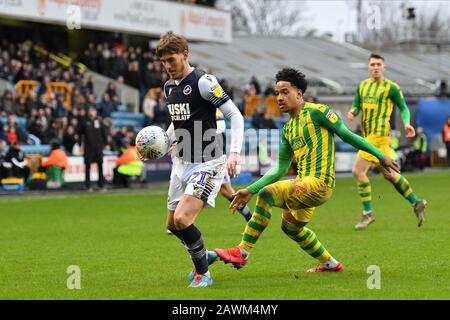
x: 152, y: 143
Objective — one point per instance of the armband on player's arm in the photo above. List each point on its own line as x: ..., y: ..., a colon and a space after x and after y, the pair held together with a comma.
x: 358, y: 142
x: 275, y: 173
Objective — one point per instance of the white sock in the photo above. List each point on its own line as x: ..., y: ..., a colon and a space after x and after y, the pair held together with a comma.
x: 208, y: 274
x: 244, y: 252
x: 330, y: 263
x: 367, y: 213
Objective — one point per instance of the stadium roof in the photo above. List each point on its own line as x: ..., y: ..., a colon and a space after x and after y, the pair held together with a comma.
x: 334, y: 68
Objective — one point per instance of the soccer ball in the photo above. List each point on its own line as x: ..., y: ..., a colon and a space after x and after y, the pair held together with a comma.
x: 152, y: 143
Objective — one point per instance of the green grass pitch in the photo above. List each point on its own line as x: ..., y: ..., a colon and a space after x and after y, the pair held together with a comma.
x: 119, y: 242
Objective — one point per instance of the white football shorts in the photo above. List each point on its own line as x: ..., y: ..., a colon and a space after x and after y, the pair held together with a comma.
x: 201, y: 180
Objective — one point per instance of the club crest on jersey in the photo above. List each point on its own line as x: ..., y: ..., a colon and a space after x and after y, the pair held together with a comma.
x: 300, y: 186
x: 187, y: 90
x: 332, y: 116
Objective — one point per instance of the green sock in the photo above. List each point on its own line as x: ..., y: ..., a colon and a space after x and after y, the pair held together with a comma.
x: 365, y: 194
x: 401, y: 184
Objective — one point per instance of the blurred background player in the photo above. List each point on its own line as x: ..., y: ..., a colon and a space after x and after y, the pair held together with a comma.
x: 55, y: 165
x: 446, y: 138
x: 374, y: 99
x: 192, y: 97
x: 308, y: 135
x: 128, y: 164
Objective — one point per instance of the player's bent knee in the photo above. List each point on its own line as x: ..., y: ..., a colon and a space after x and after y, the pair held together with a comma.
x: 357, y: 173
x: 181, y: 222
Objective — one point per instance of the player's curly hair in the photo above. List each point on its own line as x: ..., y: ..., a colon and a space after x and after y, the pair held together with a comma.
x: 295, y: 77
x: 171, y: 42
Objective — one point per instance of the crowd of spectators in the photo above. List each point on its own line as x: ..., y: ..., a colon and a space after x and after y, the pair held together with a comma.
x: 133, y: 65
x: 48, y: 115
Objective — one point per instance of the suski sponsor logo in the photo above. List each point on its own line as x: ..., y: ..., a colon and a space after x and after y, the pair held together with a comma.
x: 179, y: 111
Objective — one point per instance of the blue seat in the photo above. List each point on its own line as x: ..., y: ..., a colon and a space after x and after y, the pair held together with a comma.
x: 127, y: 116
x: 128, y: 122
x: 43, y: 149
x: 21, y: 121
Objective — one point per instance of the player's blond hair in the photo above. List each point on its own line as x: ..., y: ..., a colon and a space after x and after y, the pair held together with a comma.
x: 170, y: 43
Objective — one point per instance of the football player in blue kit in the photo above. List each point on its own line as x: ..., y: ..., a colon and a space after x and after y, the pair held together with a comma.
x: 192, y: 97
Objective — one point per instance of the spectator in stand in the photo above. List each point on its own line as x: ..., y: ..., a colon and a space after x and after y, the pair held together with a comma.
x: 42, y: 90
x: 269, y: 91
x: 106, y: 106
x: 227, y: 88
x: 251, y: 90
x: 3, y: 145
x: 148, y: 107
x: 70, y: 138
x: 3, y: 127
x: 119, y: 136
x: 150, y: 76
x: 11, y: 136
x: 4, y: 69
x: 91, y: 102
x: 36, y: 128
x: 12, y: 124
x: 113, y: 95
x: 14, y: 163
x: 119, y: 64
x: 61, y: 110
x: 261, y: 120
x: 255, y: 83
x: 80, y: 119
x: 107, y: 125
x: 31, y: 104
x: 133, y: 76
x: 161, y: 113
x: 21, y: 106
x: 78, y: 99
x: 111, y: 139
x: 7, y: 105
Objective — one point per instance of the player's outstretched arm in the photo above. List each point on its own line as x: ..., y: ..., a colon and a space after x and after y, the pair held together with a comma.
x: 361, y: 144
x: 327, y: 118
x: 240, y: 199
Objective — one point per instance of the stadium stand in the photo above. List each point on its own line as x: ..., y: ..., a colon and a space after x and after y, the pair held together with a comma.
x: 333, y: 68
